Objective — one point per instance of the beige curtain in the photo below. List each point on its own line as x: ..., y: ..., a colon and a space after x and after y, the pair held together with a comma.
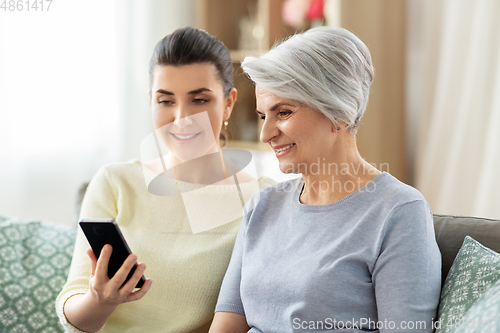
x: 454, y: 97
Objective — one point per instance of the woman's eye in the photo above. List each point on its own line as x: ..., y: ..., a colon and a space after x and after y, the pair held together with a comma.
x: 200, y: 101
x: 285, y: 113
x: 166, y: 103
x: 262, y: 117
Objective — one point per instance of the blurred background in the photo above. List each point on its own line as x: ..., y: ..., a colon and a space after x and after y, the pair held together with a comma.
x: 74, y: 85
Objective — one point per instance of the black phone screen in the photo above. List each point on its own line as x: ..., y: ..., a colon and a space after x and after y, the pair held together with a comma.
x: 100, y: 232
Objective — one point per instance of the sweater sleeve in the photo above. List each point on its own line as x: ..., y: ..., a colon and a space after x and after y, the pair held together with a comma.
x: 99, y: 202
x: 407, y: 273
x: 229, y: 296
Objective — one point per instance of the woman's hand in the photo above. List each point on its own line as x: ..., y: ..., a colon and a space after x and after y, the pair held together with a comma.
x: 108, y: 291
x: 89, y: 312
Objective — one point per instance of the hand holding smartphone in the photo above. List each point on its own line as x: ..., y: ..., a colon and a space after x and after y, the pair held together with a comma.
x: 100, y: 232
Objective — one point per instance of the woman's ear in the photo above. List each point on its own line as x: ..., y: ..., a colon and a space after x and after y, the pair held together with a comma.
x: 149, y: 95
x: 338, y: 126
x: 230, y: 100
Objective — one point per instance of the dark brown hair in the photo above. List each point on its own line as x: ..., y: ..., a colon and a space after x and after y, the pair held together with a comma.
x: 188, y: 46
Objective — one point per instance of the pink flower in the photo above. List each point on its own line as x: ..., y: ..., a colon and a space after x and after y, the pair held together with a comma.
x: 315, y: 11
x: 294, y: 12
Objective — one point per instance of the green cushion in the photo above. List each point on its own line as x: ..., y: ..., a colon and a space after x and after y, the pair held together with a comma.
x: 475, y: 268
x: 484, y: 315
x: 34, y: 262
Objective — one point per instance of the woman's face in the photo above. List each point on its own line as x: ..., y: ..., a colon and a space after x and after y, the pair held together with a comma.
x: 298, y: 134
x: 189, y: 106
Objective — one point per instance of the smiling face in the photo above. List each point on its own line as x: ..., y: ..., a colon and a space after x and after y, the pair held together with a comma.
x: 189, y: 106
x: 298, y: 134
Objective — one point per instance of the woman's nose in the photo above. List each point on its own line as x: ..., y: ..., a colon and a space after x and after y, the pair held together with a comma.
x: 269, y: 131
x: 182, y: 118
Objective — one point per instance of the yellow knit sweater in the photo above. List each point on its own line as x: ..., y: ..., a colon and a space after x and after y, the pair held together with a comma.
x: 186, y: 267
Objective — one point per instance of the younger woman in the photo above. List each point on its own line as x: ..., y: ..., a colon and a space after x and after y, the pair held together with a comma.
x: 191, y: 97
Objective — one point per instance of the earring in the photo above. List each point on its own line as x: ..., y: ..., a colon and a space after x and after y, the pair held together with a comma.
x: 225, y: 124
x: 338, y: 128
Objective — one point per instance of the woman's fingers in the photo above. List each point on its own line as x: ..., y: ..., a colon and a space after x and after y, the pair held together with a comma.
x: 102, y: 263
x: 122, y: 273
x: 93, y: 260
x: 111, y: 290
x: 134, y: 279
x: 136, y: 295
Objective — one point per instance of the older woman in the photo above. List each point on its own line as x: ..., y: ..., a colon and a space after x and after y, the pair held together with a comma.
x: 345, y: 246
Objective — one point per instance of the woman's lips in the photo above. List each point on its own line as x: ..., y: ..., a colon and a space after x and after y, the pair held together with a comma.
x: 283, y: 149
x: 184, y: 138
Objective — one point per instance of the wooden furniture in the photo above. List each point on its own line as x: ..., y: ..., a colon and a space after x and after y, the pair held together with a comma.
x: 381, y: 25
x: 259, y: 23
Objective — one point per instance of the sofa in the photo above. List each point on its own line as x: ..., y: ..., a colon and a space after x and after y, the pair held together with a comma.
x: 471, y: 274
x: 35, y: 257
x: 451, y: 231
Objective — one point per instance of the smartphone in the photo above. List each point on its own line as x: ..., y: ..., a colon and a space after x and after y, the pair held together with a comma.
x: 100, y: 232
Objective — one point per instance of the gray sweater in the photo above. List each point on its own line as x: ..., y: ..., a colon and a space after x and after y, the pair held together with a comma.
x: 369, y: 262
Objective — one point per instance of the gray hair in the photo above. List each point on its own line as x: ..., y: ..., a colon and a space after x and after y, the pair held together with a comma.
x: 328, y: 69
